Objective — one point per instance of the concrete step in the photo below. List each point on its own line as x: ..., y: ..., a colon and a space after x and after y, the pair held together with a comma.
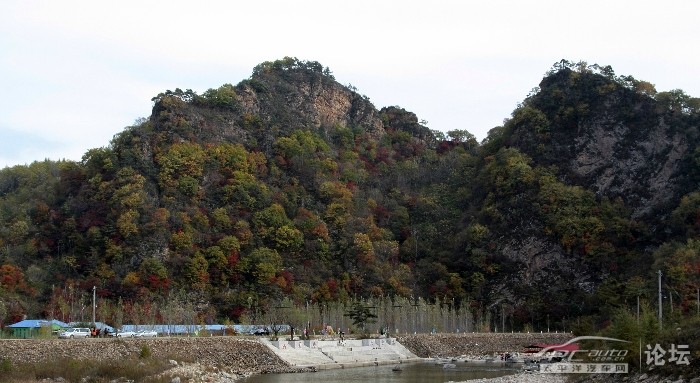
x: 328, y: 353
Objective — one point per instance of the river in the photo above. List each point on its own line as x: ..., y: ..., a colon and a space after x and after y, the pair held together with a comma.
x: 411, y: 373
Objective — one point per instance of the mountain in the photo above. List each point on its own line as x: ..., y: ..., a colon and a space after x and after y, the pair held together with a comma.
x: 611, y: 137
x: 292, y: 186
x: 603, y: 163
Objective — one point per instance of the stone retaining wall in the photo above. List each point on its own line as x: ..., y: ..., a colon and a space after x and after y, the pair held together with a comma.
x: 238, y: 355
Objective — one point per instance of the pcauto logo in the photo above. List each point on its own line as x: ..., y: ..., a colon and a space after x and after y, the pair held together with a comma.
x: 569, y: 358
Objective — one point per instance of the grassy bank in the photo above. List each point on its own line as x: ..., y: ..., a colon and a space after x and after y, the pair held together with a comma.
x: 145, y: 369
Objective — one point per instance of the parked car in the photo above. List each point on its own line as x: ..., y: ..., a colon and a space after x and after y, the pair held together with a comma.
x: 76, y: 332
x: 146, y: 334
x: 260, y: 332
x: 124, y: 334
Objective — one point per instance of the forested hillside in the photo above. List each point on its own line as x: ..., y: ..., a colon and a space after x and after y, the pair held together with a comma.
x: 292, y: 186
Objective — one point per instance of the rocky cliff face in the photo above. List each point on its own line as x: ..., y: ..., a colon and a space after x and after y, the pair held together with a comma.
x: 608, y: 138
x: 317, y: 104
x: 643, y: 172
x: 300, y: 95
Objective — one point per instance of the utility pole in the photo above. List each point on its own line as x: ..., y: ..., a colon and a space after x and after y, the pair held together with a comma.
x: 661, y: 315
x: 93, y: 305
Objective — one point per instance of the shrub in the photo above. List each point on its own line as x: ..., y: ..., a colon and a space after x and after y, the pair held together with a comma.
x: 5, y: 366
x: 145, y: 352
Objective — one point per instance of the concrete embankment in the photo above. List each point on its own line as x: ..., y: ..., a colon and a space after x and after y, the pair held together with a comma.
x: 328, y: 354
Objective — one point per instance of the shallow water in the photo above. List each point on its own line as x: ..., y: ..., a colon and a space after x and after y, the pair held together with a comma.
x: 412, y: 373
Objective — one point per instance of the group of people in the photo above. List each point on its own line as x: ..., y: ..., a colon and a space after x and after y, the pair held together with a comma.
x: 328, y: 330
x: 98, y: 333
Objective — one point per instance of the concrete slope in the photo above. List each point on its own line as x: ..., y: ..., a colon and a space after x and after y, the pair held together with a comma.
x: 325, y: 354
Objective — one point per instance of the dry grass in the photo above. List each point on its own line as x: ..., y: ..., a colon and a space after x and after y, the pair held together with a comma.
x: 86, y: 371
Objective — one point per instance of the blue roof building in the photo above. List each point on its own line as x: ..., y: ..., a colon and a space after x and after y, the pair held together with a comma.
x: 30, y: 328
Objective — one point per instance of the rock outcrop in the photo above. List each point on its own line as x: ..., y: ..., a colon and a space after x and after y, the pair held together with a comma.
x: 307, y: 99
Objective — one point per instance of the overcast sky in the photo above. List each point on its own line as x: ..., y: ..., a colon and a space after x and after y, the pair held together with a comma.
x: 75, y: 73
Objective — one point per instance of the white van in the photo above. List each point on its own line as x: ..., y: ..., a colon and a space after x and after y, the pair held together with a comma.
x: 76, y: 332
